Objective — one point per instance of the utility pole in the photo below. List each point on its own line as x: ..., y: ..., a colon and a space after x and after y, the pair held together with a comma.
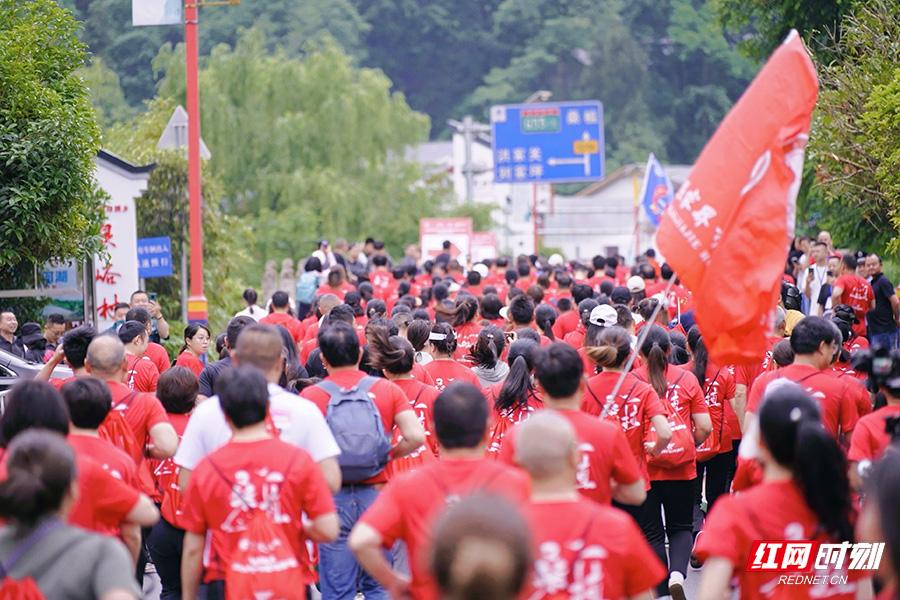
x: 469, y: 129
x: 198, y: 311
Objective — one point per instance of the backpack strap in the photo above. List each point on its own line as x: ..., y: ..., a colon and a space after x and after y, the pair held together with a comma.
x: 22, y: 548
x: 712, y: 381
x: 126, y: 402
x: 333, y: 389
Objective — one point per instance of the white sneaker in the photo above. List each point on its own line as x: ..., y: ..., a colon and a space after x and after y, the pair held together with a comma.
x: 676, y: 586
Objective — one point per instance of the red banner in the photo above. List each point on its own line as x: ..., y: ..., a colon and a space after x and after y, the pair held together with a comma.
x: 728, y: 231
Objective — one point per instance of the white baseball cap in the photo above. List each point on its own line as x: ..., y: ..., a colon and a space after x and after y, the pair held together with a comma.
x: 555, y: 260
x: 603, y: 316
x: 481, y: 269
x: 636, y: 284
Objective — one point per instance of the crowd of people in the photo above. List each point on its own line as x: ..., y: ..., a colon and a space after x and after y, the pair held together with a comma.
x: 516, y: 428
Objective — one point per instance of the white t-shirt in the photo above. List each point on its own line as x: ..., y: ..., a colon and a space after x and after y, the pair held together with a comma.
x: 820, y: 276
x: 257, y: 313
x: 300, y: 421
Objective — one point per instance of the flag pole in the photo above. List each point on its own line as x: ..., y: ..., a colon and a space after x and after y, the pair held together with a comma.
x: 633, y: 356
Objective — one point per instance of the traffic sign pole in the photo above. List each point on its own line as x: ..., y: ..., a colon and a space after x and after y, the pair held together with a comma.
x: 197, y: 305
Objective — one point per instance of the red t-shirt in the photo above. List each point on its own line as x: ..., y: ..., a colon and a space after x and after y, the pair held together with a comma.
x: 159, y: 356
x: 419, y: 372
x: 575, y: 338
x: 294, y: 327
x: 605, y: 455
x: 340, y: 292
x: 836, y: 400
x: 636, y: 403
x: 718, y: 387
x: 592, y: 552
x: 381, y: 283
x: 870, y: 439
x: 165, y: 476
x: 265, y: 473
x: 566, y: 323
x: 388, y: 398
x: 143, y: 410
x: 445, y: 371
x: 113, y: 460
x: 103, y: 501
x: 503, y: 422
x: 746, y: 374
x: 407, y: 507
x: 421, y: 400
x: 58, y: 383
x: 685, y: 396
x: 858, y: 293
x: 188, y: 360
x: 769, y: 511
x: 466, y: 338
x: 589, y: 366
x: 142, y: 374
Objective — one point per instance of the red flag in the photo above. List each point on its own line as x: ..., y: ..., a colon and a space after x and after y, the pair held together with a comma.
x: 728, y: 231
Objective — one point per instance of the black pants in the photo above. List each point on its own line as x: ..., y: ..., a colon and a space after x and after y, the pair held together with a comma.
x: 716, y: 471
x: 165, y: 544
x: 215, y: 590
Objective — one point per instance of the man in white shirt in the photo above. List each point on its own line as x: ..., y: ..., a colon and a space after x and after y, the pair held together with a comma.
x: 298, y: 421
x: 813, y: 277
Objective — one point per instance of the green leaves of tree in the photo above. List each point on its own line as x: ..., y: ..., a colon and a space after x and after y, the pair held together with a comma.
x: 49, y: 137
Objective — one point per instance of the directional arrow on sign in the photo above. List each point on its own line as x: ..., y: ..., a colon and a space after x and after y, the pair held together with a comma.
x: 586, y: 146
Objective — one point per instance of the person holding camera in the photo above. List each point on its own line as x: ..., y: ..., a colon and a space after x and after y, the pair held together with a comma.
x: 875, y: 431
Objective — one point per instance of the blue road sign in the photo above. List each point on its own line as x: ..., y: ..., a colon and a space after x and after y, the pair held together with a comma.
x: 154, y: 257
x: 548, y: 142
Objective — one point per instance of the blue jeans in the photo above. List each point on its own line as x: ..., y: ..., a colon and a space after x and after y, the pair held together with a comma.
x: 890, y: 340
x: 340, y: 576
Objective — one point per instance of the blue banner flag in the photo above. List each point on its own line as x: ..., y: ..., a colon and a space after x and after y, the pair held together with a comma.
x: 657, y: 191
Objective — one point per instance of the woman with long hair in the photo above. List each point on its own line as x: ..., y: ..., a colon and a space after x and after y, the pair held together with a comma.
x: 715, y: 454
x: 544, y: 318
x: 636, y: 407
x: 804, y: 496
x: 487, y: 355
x: 514, y: 400
x: 444, y: 368
x: 576, y: 338
x: 462, y: 318
x: 251, y: 309
x: 354, y: 301
x: 40, y: 554
x: 417, y: 332
x: 196, y: 344
x: 673, y: 471
x: 394, y: 357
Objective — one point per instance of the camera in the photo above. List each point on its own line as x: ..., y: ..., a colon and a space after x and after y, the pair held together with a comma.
x: 882, y: 365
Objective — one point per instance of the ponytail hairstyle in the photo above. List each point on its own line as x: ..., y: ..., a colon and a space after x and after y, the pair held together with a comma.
x: 544, y: 317
x: 792, y: 431
x: 655, y: 351
x: 375, y: 308
x: 40, y: 471
x: 417, y: 333
x: 646, y: 307
x: 464, y: 310
x: 250, y: 297
x: 584, y: 310
x: 191, y: 330
x: 518, y: 386
x: 446, y: 345
x: 488, y: 347
x: 390, y: 353
x: 609, y: 347
x: 679, y: 354
x: 354, y: 301
x: 698, y: 350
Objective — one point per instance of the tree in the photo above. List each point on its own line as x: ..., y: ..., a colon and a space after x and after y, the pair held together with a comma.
x: 106, y: 93
x: 49, y: 206
x: 308, y: 148
x: 855, y: 143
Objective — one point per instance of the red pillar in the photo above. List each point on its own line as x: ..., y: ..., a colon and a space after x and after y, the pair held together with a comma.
x: 197, y: 305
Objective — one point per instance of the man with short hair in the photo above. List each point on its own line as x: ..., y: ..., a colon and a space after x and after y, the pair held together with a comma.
x: 280, y: 315
x: 73, y: 351
x: 106, y: 360
x: 884, y: 318
x: 154, y: 352
x: 160, y: 327
x: 211, y: 371
x: 568, y: 321
x: 54, y: 328
x: 8, y: 327
x: 605, y: 454
x: 855, y: 291
x: 408, y: 506
x: 142, y: 374
x: 253, y: 471
x: 814, y: 277
x: 520, y: 313
x: 341, y: 576
x: 596, y: 551
x: 297, y: 420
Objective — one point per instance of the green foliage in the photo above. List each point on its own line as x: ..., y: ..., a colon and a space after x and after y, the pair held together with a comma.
x: 763, y: 24
x: 106, y: 93
x: 307, y: 148
x: 856, y: 135
x: 49, y: 206
x: 163, y: 211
